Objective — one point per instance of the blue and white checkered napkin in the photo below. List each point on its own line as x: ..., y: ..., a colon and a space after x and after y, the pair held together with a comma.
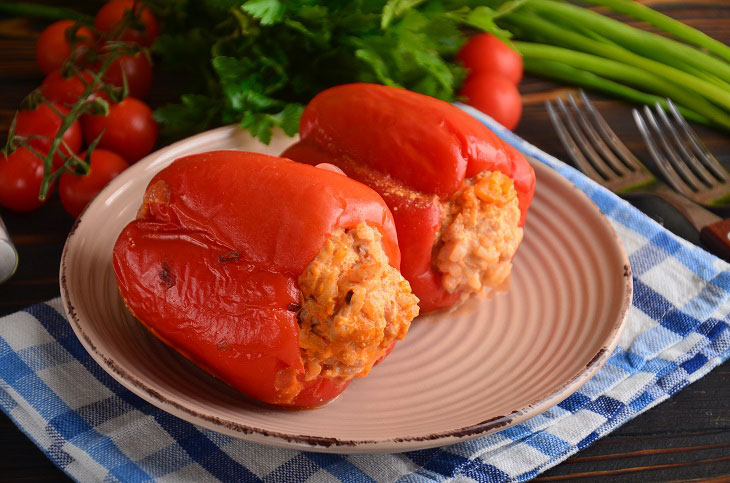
x: 94, y: 429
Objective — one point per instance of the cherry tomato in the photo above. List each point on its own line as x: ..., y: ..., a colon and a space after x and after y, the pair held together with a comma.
x: 21, y: 174
x: 53, y: 48
x: 129, y: 129
x: 494, y: 95
x: 138, y: 71
x: 64, y: 90
x: 486, y: 54
x: 43, y: 121
x: 115, y: 11
x: 77, y: 191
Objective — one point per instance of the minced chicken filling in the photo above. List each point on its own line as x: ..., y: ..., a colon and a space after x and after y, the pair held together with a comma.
x: 354, y: 305
x: 479, y: 235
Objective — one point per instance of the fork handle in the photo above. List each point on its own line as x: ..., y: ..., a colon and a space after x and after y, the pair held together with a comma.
x: 717, y: 238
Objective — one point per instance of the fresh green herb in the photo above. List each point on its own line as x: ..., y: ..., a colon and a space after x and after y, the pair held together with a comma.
x: 257, y: 62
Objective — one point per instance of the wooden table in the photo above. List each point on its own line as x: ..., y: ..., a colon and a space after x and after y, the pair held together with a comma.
x: 684, y: 439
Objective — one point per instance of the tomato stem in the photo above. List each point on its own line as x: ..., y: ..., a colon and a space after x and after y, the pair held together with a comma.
x: 109, y: 48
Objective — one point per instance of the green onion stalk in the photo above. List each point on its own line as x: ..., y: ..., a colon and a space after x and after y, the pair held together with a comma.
x: 33, y: 10
x: 568, y: 38
x: 667, y: 24
x: 571, y: 75
x: 624, y: 74
x: 649, y: 45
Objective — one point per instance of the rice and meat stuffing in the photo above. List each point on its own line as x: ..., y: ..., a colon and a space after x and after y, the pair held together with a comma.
x: 479, y: 234
x: 354, y: 305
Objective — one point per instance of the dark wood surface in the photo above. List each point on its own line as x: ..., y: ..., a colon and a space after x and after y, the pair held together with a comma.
x: 684, y: 439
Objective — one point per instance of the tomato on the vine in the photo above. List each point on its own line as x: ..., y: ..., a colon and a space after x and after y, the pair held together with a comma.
x: 44, y: 122
x: 486, y: 54
x: 64, y: 90
x: 53, y: 48
x: 129, y: 129
x: 77, y: 191
x: 111, y: 14
x: 494, y: 95
x: 21, y: 174
x: 138, y: 71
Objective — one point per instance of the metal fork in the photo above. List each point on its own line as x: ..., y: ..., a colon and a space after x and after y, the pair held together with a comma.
x: 600, y: 154
x: 683, y: 160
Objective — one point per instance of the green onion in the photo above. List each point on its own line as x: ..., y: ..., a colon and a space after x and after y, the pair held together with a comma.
x: 532, y: 26
x: 648, y: 44
x: 624, y: 73
x: 22, y: 9
x: 566, y: 73
x: 667, y: 24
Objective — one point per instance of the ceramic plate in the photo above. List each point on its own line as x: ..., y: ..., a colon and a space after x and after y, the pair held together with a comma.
x: 490, y: 364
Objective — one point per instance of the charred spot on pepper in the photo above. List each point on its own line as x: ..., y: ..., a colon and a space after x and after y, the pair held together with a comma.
x: 293, y: 307
x: 232, y: 256
x: 166, y: 277
x: 157, y: 193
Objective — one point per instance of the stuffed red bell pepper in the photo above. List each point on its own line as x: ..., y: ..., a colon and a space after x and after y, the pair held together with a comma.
x: 458, y: 194
x: 277, y: 277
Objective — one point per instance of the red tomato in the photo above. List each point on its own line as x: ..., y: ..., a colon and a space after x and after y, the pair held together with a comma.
x: 64, y: 90
x: 53, y: 48
x: 129, y: 129
x: 494, y: 95
x: 21, y: 174
x: 77, y: 191
x: 138, y: 71
x: 43, y: 121
x: 113, y: 12
x: 486, y: 54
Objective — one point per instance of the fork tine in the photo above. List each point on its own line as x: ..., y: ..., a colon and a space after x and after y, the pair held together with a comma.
x: 608, y: 156
x: 661, y: 162
x: 609, y: 136
x: 686, y: 156
x: 679, y: 166
x: 572, y: 148
x: 704, y: 154
x: 591, y: 154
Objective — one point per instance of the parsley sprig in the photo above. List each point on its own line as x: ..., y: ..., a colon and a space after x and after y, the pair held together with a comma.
x: 257, y: 62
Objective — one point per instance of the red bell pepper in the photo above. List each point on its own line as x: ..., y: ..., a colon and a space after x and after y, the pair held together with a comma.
x: 211, y: 263
x: 415, y: 151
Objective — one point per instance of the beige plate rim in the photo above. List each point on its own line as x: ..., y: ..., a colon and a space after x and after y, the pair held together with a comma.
x: 318, y: 443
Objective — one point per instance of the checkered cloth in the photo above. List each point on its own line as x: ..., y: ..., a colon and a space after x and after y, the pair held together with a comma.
x: 95, y: 429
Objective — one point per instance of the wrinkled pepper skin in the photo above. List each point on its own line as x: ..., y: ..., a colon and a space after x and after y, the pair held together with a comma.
x: 415, y: 151
x: 211, y: 263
